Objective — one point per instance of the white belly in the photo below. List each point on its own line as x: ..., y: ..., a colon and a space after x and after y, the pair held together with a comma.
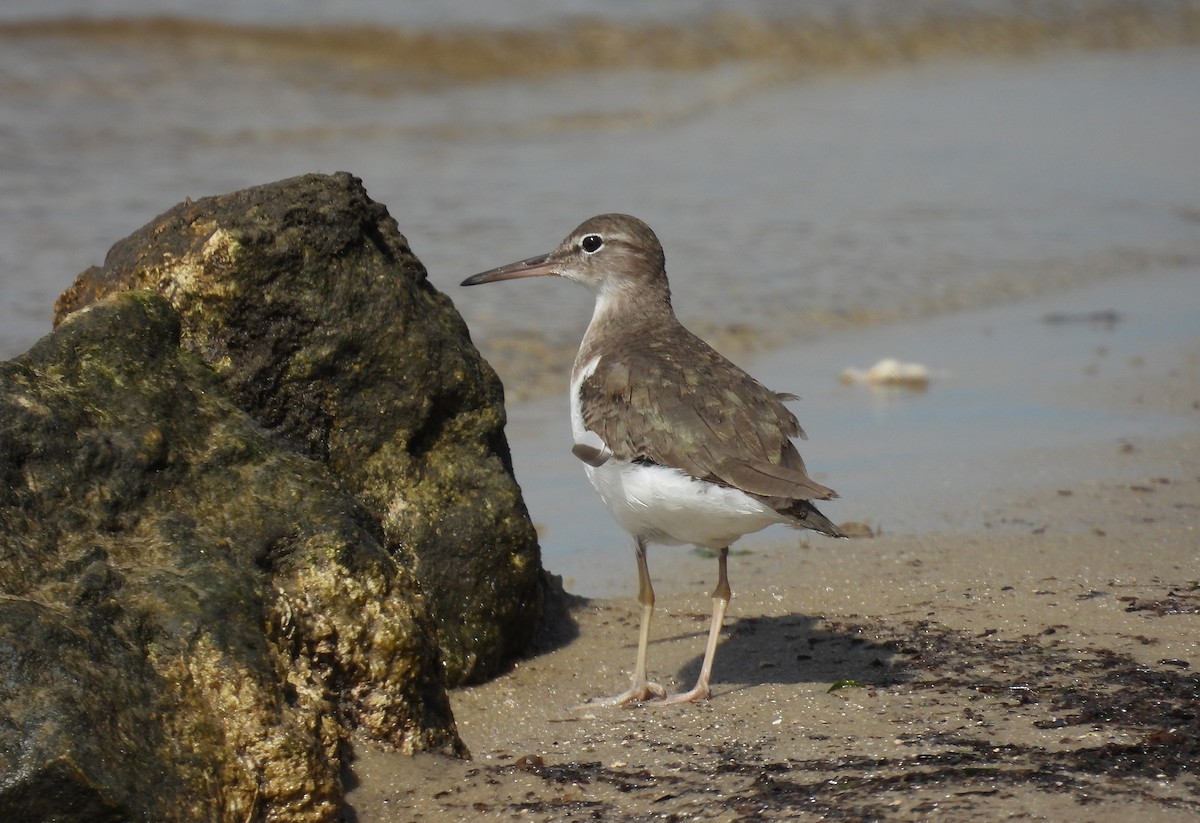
x: 664, y: 505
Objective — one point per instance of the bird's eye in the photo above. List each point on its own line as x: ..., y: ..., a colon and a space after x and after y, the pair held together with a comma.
x: 592, y: 243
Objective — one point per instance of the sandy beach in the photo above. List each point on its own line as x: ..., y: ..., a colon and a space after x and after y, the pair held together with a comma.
x: 1040, y: 664
x: 1019, y: 639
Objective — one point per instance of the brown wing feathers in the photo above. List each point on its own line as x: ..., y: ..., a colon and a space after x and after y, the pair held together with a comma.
x: 673, y: 415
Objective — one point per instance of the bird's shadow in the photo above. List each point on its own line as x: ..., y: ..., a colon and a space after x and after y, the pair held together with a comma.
x: 793, y: 648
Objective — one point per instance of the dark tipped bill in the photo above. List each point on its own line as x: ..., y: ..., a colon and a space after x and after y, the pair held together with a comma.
x: 540, y: 266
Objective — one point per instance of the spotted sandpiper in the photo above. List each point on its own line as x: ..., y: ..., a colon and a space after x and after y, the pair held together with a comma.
x: 682, y: 445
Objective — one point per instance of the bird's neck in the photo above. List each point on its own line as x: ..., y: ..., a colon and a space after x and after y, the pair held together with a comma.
x: 626, y: 314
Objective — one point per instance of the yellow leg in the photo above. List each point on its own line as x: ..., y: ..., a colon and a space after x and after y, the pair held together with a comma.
x: 720, y: 597
x: 641, y: 689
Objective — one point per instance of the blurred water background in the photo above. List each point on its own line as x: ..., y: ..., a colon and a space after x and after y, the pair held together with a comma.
x: 814, y: 168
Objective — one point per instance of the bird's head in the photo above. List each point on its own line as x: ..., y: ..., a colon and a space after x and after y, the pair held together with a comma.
x: 608, y: 254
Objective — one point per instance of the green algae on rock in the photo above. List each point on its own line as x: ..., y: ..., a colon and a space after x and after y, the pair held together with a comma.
x: 307, y: 301
x: 194, y: 616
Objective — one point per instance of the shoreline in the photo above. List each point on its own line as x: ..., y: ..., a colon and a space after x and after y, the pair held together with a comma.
x: 1041, y: 662
x: 996, y: 678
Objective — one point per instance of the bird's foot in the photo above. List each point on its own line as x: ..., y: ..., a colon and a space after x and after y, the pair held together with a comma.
x: 700, y: 692
x: 637, y: 693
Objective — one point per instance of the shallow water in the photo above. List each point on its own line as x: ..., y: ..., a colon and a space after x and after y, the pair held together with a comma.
x: 818, y: 178
x: 805, y: 173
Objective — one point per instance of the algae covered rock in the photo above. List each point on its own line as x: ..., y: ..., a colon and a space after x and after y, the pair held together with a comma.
x: 194, y: 615
x: 306, y: 300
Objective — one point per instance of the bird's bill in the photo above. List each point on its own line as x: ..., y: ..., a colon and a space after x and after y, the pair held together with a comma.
x: 541, y: 266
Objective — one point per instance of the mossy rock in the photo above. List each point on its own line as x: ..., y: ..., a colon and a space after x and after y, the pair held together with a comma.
x: 304, y: 297
x: 194, y: 615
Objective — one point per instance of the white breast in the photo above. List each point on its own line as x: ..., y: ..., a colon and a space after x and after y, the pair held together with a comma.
x: 663, y: 504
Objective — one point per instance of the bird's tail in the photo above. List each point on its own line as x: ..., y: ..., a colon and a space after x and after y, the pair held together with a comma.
x: 807, y: 516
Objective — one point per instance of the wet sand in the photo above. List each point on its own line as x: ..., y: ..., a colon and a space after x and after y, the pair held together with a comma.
x: 1036, y: 661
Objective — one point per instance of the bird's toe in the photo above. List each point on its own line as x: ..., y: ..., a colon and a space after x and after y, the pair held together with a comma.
x: 698, y: 693
x: 638, y: 693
